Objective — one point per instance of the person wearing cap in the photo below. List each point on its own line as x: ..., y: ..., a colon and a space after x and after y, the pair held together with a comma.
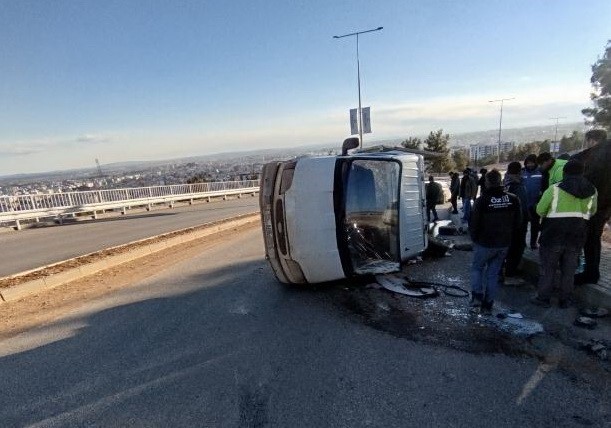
x: 496, y: 215
x: 597, y: 161
x: 514, y: 185
x: 532, y: 178
x: 565, y: 208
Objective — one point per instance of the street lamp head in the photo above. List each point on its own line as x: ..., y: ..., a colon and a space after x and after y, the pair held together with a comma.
x: 379, y: 28
x: 336, y: 37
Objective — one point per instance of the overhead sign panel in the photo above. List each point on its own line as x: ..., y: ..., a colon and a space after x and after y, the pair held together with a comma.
x: 354, y: 122
x: 366, y: 120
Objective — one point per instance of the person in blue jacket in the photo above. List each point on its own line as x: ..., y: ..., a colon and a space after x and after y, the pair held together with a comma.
x: 532, y: 178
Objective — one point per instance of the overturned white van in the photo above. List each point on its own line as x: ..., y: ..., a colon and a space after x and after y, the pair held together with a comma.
x: 332, y: 217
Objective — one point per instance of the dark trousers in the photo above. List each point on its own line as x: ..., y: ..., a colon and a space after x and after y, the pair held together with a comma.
x: 516, y: 249
x: 535, y: 225
x: 454, y: 202
x: 430, y: 206
x: 550, y: 259
x: 591, y: 248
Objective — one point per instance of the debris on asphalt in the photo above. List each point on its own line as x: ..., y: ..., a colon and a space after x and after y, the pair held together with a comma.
x: 585, y: 322
x: 463, y: 247
x: 398, y: 285
x: 449, y: 230
x: 595, y: 312
x: 597, y: 348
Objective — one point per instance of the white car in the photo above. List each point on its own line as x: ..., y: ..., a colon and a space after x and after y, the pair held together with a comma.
x: 332, y: 217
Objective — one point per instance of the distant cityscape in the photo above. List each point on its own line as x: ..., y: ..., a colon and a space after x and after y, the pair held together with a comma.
x: 238, y: 166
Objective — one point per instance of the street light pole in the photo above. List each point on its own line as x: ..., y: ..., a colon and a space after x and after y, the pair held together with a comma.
x: 502, y: 100
x: 358, y: 76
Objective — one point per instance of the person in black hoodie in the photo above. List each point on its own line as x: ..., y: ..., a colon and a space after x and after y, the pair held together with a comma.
x: 597, y: 160
x: 514, y: 185
x: 496, y: 214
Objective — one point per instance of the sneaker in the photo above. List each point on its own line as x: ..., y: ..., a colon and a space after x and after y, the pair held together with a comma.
x: 476, y: 303
x: 581, y: 279
x: 544, y: 303
x: 486, y: 308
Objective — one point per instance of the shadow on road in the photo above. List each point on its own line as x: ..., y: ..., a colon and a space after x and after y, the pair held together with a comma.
x: 235, y: 348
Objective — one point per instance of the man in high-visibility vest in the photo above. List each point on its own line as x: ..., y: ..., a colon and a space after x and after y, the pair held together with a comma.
x: 565, y: 208
x: 552, y: 167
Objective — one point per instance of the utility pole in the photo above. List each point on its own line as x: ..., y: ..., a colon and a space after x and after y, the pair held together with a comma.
x: 358, y: 76
x: 502, y: 100
x: 556, y: 130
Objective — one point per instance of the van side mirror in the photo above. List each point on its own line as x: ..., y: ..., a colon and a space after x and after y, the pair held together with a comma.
x: 349, y: 144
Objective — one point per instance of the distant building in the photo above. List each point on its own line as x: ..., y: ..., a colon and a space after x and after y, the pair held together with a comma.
x: 481, y: 151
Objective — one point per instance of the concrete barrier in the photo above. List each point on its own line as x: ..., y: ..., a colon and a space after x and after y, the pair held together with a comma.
x: 129, y: 252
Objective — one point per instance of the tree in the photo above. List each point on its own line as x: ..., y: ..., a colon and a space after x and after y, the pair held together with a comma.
x: 461, y: 159
x: 438, y: 142
x: 572, y: 142
x: 412, y: 143
x: 600, y: 114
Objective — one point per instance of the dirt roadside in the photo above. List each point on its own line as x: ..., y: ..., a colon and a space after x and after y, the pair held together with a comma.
x: 46, y: 307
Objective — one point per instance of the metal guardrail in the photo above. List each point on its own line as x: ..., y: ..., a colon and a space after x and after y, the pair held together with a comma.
x: 23, y: 207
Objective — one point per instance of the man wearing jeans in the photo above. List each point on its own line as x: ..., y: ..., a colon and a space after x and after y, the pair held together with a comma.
x: 496, y: 215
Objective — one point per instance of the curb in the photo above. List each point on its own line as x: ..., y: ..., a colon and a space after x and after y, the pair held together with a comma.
x: 587, y: 294
x: 168, y: 240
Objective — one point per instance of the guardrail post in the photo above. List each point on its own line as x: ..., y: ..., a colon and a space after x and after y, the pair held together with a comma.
x: 123, y: 210
x: 148, y: 207
x: 18, y: 224
x: 191, y: 201
x: 208, y: 199
x: 253, y: 194
x: 95, y: 215
x: 224, y: 197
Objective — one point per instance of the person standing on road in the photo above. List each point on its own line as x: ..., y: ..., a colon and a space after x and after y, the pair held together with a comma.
x: 496, y: 215
x: 481, y: 183
x: 553, y: 168
x: 565, y: 208
x: 468, y: 190
x: 532, y: 177
x: 514, y: 185
x: 454, y: 191
x: 434, y: 193
x: 597, y: 161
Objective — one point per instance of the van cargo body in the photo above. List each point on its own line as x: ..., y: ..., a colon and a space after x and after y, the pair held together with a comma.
x: 332, y: 217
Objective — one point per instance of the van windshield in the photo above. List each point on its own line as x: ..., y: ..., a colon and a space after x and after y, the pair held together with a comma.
x: 371, y: 222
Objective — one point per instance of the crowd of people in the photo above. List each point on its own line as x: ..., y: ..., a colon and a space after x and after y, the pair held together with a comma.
x: 565, y: 203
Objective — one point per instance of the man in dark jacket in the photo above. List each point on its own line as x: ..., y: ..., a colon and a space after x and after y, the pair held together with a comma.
x: 514, y: 185
x: 597, y: 160
x: 532, y: 178
x: 482, y: 180
x: 496, y: 214
x: 434, y: 194
x: 468, y: 192
x: 454, y: 191
x: 565, y: 208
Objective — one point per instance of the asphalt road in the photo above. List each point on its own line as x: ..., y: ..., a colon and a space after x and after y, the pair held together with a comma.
x: 32, y: 248
x: 215, y: 341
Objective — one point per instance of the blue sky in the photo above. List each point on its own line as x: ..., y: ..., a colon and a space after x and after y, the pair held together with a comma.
x: 140, y: 80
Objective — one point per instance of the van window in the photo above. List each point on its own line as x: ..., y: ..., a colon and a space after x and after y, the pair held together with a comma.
x: 371, y: 215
